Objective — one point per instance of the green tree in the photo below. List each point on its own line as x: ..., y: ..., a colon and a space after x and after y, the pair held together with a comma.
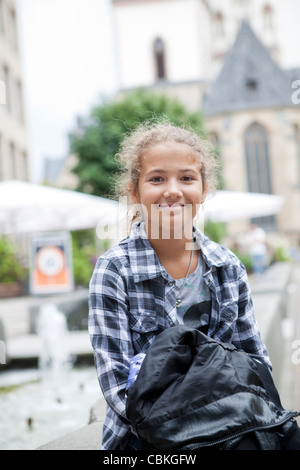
x: 103, y: 130
x: 11, y: 269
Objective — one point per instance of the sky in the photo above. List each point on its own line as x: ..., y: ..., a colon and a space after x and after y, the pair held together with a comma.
x: 68, y: 64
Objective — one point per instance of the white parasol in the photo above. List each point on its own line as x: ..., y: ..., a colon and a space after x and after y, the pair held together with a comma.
x: 224, y: 206
x: 27, y: 207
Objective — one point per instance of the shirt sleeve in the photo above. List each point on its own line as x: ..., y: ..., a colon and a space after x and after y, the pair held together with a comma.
x: 110, y: 333
x: 247, y: 335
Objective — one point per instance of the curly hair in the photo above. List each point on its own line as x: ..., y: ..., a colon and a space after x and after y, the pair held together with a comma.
x: 150, y: 133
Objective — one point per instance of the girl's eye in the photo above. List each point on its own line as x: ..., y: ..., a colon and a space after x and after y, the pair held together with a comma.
x: 156, y: 179
x: 187, y: 178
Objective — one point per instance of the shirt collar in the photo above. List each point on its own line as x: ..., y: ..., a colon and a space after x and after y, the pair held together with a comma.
x: 145, y: 263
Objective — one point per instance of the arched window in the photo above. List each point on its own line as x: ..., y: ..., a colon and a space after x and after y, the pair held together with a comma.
x: 257, y: 155
x: 219, y: 23
x: 159, y: 59
x: 258, y: 165
x: 268, y: 17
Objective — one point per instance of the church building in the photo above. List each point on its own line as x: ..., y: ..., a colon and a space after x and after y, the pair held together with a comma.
x: 223, y: 59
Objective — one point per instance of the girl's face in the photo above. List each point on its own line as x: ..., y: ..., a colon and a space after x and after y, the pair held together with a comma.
x: 170, y: 188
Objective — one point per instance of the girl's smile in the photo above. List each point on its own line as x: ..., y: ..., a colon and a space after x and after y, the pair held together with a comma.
x: 172, y: 206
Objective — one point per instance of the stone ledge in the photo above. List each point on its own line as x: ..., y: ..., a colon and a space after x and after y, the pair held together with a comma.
x: 86, y: 438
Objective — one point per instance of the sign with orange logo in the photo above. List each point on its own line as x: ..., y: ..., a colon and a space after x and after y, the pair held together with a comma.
x: 51, y: 264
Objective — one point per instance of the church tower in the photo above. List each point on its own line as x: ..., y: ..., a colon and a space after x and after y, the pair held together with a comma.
x: 184, y: 41
x: 226, y: 19
x: 161, y: 40
x: 164, y: 44
x: 250, y: 113
x: 222, y: 58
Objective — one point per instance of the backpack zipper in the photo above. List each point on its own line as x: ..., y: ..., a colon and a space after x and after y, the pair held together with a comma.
x: 291, y: 414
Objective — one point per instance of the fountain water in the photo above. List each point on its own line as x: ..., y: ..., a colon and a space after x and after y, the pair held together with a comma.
x: 54, y: 358
x: 58, y: 400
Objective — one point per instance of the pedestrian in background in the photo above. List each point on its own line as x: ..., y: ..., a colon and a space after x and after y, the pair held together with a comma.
x: 256, y: 241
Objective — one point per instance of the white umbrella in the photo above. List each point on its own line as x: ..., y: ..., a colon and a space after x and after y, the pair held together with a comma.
x: 27, y: 207
x: 233, y: 205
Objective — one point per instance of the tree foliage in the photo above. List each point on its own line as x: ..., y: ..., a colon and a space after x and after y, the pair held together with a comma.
x: 11, y: 269
x: 99, y: 138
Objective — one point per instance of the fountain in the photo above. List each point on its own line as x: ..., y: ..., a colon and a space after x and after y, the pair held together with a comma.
x: 58, y: 400
x: 54, y: 357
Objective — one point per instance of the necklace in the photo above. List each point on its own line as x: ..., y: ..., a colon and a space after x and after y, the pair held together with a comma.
x: 179, y: 300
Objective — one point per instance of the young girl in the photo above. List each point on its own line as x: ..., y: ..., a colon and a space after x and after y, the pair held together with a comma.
x: 166, y: 271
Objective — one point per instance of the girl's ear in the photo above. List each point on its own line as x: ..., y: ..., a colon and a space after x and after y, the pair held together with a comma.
x: 133, y: 193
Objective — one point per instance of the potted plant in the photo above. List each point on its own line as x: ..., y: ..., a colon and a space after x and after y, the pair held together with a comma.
x: 12, y: 273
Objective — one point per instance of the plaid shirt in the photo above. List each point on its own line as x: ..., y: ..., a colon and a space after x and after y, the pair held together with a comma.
x: 132, y: 299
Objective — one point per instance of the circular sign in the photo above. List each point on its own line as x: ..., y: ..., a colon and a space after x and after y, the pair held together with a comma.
x: 50, y: 261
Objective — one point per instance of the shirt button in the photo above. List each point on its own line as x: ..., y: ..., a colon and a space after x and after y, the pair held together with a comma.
x: 171, y: 283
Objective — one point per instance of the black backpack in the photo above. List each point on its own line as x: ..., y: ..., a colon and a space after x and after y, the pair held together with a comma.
x: 193, y: 392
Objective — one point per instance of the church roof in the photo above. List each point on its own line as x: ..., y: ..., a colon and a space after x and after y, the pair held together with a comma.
x: 249, y: 78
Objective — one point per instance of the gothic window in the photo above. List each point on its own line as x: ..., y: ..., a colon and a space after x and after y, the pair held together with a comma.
x: 159, y: 58
x: 268, y: 17
x: 257, y: 155
x: 219, y: 23
x: 258, y: 165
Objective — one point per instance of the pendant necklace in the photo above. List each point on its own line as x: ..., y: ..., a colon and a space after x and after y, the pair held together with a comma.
x: 178, y: 299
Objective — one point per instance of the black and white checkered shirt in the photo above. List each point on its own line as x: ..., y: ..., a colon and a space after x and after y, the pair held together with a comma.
x: 132, y: 299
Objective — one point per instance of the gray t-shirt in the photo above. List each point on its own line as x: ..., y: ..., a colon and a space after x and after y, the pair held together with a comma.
x: 195, y: 296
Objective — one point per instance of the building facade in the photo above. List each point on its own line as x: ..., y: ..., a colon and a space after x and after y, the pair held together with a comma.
x: 223, y: 58
x: 14, y: 154
x: 251, y: 112
x: 179, y: 46
x: 150, y: 54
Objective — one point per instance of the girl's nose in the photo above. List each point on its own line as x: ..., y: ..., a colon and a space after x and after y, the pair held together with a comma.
x: 172, y: 191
